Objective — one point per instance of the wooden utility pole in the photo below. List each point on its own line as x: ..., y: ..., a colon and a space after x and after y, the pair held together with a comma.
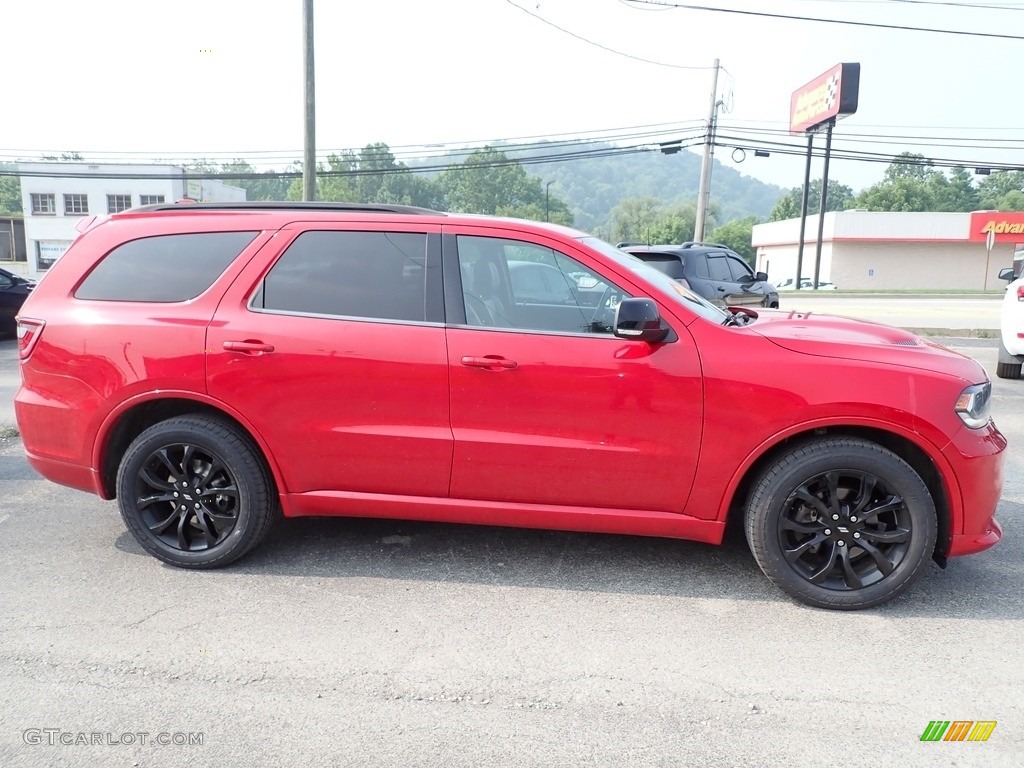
x: 704, y: 192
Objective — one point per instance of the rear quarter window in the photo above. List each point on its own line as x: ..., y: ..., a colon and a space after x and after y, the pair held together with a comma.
x: 164, y: 268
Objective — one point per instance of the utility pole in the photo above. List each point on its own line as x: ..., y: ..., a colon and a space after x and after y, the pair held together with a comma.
x: 309, y: 153
x: 704, y: 192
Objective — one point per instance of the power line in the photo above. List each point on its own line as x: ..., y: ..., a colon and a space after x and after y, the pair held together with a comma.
x: 421, y: 150
x: 257, y: 175
x: 820, y: 20
x: 603, y: 47
x: 966, y: 6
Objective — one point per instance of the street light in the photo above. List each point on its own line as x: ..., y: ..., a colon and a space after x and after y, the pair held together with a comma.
x: 547, y: 200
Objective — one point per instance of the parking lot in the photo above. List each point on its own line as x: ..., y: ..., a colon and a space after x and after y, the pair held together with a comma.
x: 396, y: 643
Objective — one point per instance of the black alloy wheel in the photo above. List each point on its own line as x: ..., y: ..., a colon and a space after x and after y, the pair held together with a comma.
x: 187, y: 497
x: 844, y: 530
x: 841, y: 523
x: 195, y: 492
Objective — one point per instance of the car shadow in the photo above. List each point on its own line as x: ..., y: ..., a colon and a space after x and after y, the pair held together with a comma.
x: 978, y: 587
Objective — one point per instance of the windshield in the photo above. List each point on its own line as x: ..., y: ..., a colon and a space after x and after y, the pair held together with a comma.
x: 674, y: 289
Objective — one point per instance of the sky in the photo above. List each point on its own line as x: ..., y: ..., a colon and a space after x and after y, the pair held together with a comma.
x: 128, y: 80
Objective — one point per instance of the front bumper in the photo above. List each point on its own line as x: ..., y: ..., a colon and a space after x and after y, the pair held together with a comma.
x: 977, y: 458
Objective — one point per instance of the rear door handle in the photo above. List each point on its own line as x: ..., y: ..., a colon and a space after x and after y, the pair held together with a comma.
x: 490, y: 363
x: 249, y: 347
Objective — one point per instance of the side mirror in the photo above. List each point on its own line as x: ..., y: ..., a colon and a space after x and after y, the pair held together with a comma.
x: 639, y: 319
x: 761, y: 277
x: 1007, y: 274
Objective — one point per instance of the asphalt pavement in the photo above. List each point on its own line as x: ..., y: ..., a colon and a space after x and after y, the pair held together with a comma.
x: 378, y: 643
x: 958, y: 315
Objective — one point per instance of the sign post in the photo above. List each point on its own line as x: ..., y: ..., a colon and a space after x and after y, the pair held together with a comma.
x: 828, y: 97
x: 990, y: 240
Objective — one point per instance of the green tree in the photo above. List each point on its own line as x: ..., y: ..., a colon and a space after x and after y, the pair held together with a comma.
x: 676, y: 224
x: 269, y: 187
x: 10, y: 193
x: 907, y: 166
x: 953, y: 193
x: 1012, y: 201
x: 911, y: 183
x: 738, y: 234
x: 635, y: 218
x: 1001, y: 191
x: 489, y: 182
x: 788, y: 207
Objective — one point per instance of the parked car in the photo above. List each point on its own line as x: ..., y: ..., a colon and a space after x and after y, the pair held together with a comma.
x: 247, y: 360
x: 14, y: 289
x: 537, y: 283
x: 1011, y: 327
x: 713, y: 272
x: 806, y: 284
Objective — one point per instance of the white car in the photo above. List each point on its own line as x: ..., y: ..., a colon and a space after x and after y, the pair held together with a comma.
x: 806, y: 284
x: 1011, y: 333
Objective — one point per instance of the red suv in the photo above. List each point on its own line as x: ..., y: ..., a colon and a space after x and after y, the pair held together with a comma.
x: 212, y: 366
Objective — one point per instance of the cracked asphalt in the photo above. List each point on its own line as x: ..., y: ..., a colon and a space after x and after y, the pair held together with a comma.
x: 377, y: 643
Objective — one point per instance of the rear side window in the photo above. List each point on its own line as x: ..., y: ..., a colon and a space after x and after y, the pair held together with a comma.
x: 373, y: 275
x: 165, y: 268
x: 669, y: 264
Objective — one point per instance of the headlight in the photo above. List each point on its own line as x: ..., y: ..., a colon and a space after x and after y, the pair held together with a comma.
x: 973, y: 405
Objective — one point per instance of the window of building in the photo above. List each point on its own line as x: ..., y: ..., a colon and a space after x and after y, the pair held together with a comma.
x: 374, y: 275
x: 164, y: 268
x: 118, y: 203
x: 76, y: 205
x: 44, y: 204
x: 151, y: 199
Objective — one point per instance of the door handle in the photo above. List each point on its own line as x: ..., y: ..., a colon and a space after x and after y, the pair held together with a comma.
x: 490, y: 363
x: 248, y: 347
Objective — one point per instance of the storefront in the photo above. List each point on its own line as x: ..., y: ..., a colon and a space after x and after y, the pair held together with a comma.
x: 866, y: 250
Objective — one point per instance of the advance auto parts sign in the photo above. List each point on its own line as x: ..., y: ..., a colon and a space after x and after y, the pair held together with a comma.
x: 1008, y: 227
x: 830, y: 95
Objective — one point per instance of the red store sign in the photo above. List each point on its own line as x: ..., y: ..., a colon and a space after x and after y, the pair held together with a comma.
x: 1008, y: 227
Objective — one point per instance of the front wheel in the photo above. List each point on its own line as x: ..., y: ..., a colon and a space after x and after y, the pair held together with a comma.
x: 841, y: 523
x: 195, y: 492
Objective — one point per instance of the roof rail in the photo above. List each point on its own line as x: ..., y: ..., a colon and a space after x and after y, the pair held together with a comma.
x: 267, y: 205
x: 694, y: 243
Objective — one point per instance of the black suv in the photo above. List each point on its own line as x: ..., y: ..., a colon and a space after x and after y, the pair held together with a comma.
x: 714, y: 271
x: 13, y: 292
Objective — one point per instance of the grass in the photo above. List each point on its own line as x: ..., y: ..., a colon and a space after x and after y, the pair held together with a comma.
x: 7, y: 432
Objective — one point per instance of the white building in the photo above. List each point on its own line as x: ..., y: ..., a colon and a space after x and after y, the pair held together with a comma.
x: 864, y: 250
x: 56, y: 196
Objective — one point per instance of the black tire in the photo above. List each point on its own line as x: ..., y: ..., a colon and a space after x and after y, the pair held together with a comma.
x: 195, y: 492
x: 1009, y: 365
x: 883, y: 537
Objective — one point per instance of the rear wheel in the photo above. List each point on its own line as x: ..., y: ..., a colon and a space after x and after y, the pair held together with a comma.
x: 195, y: 492
x: 1008, y: 366
x: 841, y: 523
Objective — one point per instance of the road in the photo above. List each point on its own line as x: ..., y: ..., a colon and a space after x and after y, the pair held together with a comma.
x: 924, y: 312
x: 376, y: 643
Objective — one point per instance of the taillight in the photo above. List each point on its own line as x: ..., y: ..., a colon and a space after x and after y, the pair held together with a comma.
x: 1020, y: 292
x: 29, y: 332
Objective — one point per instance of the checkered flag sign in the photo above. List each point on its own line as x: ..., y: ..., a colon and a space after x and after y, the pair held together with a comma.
x: 832, y: 92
